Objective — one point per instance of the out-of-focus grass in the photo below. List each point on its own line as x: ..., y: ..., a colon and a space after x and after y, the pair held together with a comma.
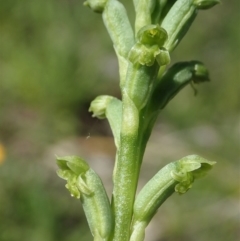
x: 55, y: 57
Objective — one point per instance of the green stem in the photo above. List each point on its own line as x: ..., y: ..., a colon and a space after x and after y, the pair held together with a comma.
x: 126, y: 172
x: 133, y: 140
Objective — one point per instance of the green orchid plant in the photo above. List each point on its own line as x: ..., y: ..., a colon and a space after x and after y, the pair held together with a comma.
x: 147, y: 83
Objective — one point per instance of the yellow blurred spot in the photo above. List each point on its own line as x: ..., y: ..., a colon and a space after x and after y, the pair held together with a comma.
x: 2, y: 153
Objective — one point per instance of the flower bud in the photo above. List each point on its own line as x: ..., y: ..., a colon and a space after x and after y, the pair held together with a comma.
x: 96, y: 5
x: 98, y: 106
x: 200, y: 72
x: 205, y: 4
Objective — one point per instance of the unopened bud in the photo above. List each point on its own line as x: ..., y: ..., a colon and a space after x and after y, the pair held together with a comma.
x: 96, y: 5
x: 98, y: 106
x: 205, y: 4
x: 200, y: 72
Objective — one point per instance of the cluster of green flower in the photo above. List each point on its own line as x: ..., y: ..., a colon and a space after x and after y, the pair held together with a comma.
x: 147, y: 86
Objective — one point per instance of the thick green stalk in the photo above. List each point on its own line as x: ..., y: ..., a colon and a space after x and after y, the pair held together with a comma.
x: 126, y: 171
x: 125, y: 183
x: 131, y: 148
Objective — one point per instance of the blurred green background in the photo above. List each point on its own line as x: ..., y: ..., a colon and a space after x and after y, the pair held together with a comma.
x: 55, y: 57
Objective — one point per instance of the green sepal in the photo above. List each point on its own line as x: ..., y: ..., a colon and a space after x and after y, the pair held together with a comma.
x: 151, y: 35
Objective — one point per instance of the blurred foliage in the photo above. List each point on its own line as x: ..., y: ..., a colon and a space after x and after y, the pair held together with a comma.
x: 55, y: 57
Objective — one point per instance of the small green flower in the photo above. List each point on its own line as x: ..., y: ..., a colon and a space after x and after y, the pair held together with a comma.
x: 98, y: 106
x: 83, y: 183
x: 71, y: 168
x: 149, y: 48
x: 151, y: 35
x: 190, y: 168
